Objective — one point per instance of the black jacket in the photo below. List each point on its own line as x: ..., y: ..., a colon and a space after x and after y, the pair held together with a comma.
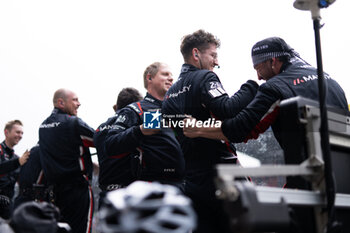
x: 5, y: 164
x: 64, y: 153
x: 160, y: 154
x: 114, y: 169
x: 31, y: 172
x: 199, y: 93
x: 8, y: 170
x: 296, y: 79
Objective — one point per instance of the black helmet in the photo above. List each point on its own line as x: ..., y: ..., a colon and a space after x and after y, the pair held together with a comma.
x: 37, y: 217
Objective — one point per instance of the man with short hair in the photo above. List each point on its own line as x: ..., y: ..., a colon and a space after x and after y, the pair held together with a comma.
x: 114, y: 171
x: 126, y: 96
x: 200, y: 94
x: 9, y: 163
x: 159, y: 154
x: 64, y: 141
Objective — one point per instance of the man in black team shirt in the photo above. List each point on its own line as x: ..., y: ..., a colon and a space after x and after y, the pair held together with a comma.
x: 200, y: 94
x: 113, y: 171
x: 66, y: 160
x: 9, y: 163
x: 159, y: 153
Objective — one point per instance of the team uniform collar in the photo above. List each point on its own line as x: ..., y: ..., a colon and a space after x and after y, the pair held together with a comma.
x: 57, y: 110
x: 7, y: 149
x: 188, y: 67
x: 151, y: 99
x: 285, y: 66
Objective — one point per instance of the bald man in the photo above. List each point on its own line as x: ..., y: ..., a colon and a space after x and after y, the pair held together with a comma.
x: 64, y: 141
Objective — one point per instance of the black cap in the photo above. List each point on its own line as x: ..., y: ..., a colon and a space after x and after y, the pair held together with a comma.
x: 269, y: 48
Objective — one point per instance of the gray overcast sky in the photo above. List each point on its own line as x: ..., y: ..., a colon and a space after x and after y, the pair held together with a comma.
x: 96, y: 48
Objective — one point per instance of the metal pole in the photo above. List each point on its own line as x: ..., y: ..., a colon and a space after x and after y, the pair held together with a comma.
x: 332, y: 226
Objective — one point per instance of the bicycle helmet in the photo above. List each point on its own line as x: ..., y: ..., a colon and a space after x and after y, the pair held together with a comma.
x: 144, y: 207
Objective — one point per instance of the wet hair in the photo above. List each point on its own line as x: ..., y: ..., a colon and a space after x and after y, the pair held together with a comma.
x: 9, y: 125
x: 199, y: 39
x: 151, y: 70
x: 127, y: 96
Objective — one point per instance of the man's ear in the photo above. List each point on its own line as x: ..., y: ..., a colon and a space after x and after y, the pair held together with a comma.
x: 273, y: 61
x: 60, y: 102
x: 195, y: 52
x: 148, y: 77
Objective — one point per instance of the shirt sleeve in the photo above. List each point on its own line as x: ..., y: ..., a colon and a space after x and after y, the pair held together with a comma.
x: 220, y: 105
x: 125, y: 135
x: 8, y: 166
x: 86, y: 133
x: 256, y: 118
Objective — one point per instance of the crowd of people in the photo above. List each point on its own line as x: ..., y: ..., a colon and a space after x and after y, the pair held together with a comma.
x: 58, y: 170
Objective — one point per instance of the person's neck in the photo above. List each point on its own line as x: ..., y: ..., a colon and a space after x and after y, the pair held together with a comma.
x: 276, y: 69
x: 61, y: 109
x: 156, y: 94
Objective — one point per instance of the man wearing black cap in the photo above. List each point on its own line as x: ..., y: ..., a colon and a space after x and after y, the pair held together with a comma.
x: 287, y: 75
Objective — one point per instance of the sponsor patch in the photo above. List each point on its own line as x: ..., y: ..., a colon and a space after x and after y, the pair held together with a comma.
x: 121, y: 119
x: 217, y: 92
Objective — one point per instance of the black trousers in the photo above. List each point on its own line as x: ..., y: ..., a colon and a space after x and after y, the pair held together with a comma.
x: 76, y: 205
x: 211, y: 217
x: 6, y: 203
x: 6, y: 209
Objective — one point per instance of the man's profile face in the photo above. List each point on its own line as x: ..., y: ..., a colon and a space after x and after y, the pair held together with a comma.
x: 264, y: 70
x: 163, y: 80
x: 209, y: 58
x: 71, y: 104
x: 14, y: 135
